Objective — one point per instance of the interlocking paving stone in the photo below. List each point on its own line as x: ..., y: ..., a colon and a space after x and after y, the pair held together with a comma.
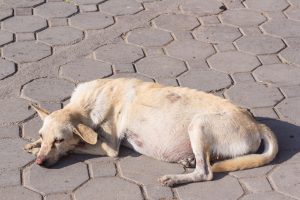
x: 262, y: 44
x: 119, y: 53
x: 102, y: 167
x: 26, y: 51
x: 253, y: 95
x: 246, y: 17
x: 160, y: 66
x: 251, y: 173
x: 60, y: 35
x: 64, y: 177
x: 291, y: 91
x: 23, y: 11
x: 10, y: 177
x: 217, y: 33
x: 5, y: 37
x: 201, y: 7
x: 278, y: 74
x: 294, y: 2
x: 14, y: 110
x: 85, y: 70
x: 290, y: 53
x: 282, y: 27
x: 293, y: 13
x: 31, y: 128
x: 124, y: 7
x: 242, y: 77
x: 92, y: 20
x: 60, y: 196
x: 176, y: 22
x: 88, y: 8
x: 132, y: 75
x: 58, y: 22
x: 158, y: 192
x: 6, y: 68
x: 149, y: 37
x: 259, y: 184
x: 55, y: 9
x: 16, y: 193
x: 80, y: 2
x: 12, y: 154
x: 48, y: 90
x: 264, y: 112
x: 267, y: 5
x: 9, y: 132
x: 222, y: 188
x: 190, y: 50
x: 25, y: 36
x: 4, y: 13
x: 269, y: 59
x: 286, y: 179
x: 266, y: 195
x: 206, y: 80
x: 118, y: 189
x: 23, y: 3
x: 24, y: 24
x: 233, y: 61
x: 290, y: 109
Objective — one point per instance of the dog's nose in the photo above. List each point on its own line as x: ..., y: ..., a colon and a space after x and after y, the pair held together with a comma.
x: 40, y: 160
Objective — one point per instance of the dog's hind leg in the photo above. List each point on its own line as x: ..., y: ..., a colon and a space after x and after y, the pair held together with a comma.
x: 199, y: 143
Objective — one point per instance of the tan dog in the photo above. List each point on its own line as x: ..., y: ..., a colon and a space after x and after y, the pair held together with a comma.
x: 172, y: 124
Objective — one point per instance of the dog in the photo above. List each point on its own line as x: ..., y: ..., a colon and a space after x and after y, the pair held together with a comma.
x: 171, y: 124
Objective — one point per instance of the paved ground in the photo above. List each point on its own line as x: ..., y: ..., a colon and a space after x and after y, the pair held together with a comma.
x: 243, y: 50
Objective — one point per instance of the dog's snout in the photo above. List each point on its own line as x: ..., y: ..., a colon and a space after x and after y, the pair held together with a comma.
x: 40, y: 160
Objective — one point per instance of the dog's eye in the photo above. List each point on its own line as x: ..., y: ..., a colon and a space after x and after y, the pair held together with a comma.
x: 57, y: 141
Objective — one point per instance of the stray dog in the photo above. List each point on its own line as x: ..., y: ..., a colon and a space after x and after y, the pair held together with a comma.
x: 172, y: 124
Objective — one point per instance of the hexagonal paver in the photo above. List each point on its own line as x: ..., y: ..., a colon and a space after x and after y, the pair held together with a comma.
x: 60, y: 35
x: 149, y: 37
x: 98, y: 188
x: 14, y: 110
x: 60, y: 196
x: 6, y: 68
x: 85, y: 70
x: 55, y: 9
x: 15, y: 193
x: 201, y: 7
x: 217, y: 33
x: 4, y: 13
x: 266, y: 195
x: 24, y: 24
x: 31, y: 129
x: 223, y: 188
x: 291, y: 52
x: 256, y: 184
x: 12, y: 154
x: 290, y: 109
x: 279, y: 74
x: 286, y: 179
x: 146, y: 170
x: 160, y: 66
x: 22, y: 3
x: 261, y: 44
x: 9, y: 132
x: 5, y: 37
x: 282, y: 27
x: 245, y: 17
x: 10, y: 177
x: 92, y: 20
x: 254, y: 172
x: 267, y: 5
x: 207, y: 80
x: 293, y: 13
x: 132, y: 75
x: 233, y: 61
x: 27, y: 51
x: 124, y: 7
x: 87, y: 1
x: 190, y: 50
x: 119, y: 53
x: 176, y: 22
x: 252, y: 95
x: 158, y: 192
x: 48, y: 89
x: 66, y: 176
x: 102, y: 167
x: 294, y: 3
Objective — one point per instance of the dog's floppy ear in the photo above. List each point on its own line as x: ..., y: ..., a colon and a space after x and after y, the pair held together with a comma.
x: 86, y: 133
x: 41, y: 112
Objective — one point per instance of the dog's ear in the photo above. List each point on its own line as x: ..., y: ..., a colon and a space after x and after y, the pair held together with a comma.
x: 86, y: 133
x: 41, y: 112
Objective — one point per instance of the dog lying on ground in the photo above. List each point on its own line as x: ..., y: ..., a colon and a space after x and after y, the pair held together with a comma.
x: 171, y: 124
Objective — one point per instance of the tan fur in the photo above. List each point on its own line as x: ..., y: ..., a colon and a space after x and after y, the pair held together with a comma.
x: 167, y: 123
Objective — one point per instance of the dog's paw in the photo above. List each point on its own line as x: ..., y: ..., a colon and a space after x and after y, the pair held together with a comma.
x: 28, y: 147
x: 167, y: 180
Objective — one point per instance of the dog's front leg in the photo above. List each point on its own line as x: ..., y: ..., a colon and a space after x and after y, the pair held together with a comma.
x: 33, y: 147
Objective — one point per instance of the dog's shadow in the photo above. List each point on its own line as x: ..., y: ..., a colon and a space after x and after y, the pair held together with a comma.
x: 288, y: 136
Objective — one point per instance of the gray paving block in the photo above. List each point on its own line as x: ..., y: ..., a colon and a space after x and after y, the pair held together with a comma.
x: 259, y: 184
x: 149, y: 37
x: 124, y: 7
x: 266, y: 195
x: 290, y: 109
x: 31, y: 128
x: 269, y: 59
x: 58, y: 22
x: 25, y: 36
x: 59, y: 196
x: 223, y: 188
x: 252, y: 173
x: 91, y: 21
x: 22, y: 3
x: 245, y: 17
x: 66, y: 176
x: 222, y: 47
x: 10, y: 177
x: 233, y: 61
x: 14, y: 110
x: 26, y: 51
x: 282, y: 27
x: 133, y: 75
x: 264, y: 112
x: 23, y: 11
x: 206, y: 80
x: 209, y: 20
x: 60, y: 35
x: 217, y: 33
x: 5, y: 12
x: 102, y: 167
x: 201, y: 7
x: 267, y: 5
x: 88, y: 8
x: 160, y: 66
x: 294, y: 3
x: 176, y: 22
x: 291, y: 91
x: 24, y: 24
x: 263, y: 44
x: 82, y: 2
x: 55, y: 9
x: 48, y: 90
x: 118, y: 189
x: 16, y: 193
x: 5, y: 37
x: 243, y: 77
x: 9, y: 132
x: 6, y: 68
x: 293, y: 13
x: 290, y: 53
x: 154, y: 192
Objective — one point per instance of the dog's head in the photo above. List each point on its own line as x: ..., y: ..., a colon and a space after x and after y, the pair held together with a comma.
x: 61, y: 132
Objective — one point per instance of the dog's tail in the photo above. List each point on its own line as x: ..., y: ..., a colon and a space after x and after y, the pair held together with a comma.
x: 251, y: 160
